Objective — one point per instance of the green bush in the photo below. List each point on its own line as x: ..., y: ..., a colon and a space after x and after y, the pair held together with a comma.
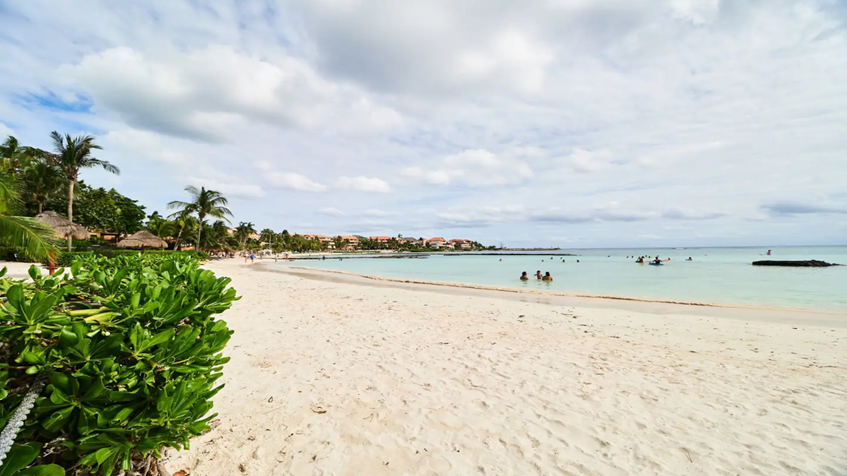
x: 127, y: 350
x: 66, y: 258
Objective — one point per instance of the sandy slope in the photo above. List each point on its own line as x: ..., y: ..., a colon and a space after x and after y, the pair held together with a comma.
x: 334, y: 379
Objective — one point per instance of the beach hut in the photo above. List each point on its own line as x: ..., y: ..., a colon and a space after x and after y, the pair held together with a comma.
x: 142, y: 239
x: 62, y: 226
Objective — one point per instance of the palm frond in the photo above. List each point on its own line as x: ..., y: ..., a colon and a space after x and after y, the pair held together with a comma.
x: 113, y: 169
x: 180, y: 205
x: 192, y: 190
x: 32, y: 237
x: 58, y: 142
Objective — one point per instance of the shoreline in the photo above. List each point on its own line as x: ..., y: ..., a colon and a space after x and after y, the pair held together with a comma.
x: 657, y: 306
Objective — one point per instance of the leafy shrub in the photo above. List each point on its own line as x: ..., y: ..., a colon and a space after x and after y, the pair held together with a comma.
x: 66, y: 258
x: 129, y: 349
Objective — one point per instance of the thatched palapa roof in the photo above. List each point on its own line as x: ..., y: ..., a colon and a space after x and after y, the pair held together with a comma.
x: 142, y: 239
x: 62, y: 226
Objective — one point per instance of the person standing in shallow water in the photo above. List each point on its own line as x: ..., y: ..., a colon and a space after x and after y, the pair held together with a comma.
x: 524, y: 276
x: 547, y: 277
x: 538, y: 274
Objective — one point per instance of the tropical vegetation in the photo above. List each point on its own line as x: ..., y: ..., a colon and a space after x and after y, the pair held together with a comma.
x: 72, y: 154
x: 33, y: 180
x: 203, y: 203
x: 104, y: 367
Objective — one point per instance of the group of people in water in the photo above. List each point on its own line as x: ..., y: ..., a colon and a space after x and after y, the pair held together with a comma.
x: 657, y: 260
x: 545, y: 277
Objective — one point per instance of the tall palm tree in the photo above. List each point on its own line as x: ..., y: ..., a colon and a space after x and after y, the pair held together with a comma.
x: 73, y: 155
x: 32, y: 237
x: 42, y: 179
x: 204, y: 203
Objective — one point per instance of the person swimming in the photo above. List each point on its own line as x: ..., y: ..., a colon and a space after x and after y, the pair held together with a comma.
x: 689, y: 259
x: 538, y: 274
x: 547, y: 277
x: 640, y: 259
x: 524, y: 277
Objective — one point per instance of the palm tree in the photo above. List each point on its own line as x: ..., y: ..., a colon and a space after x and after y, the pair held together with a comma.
x: 243, y: 232
x: 27, y: 234
x: 204, y: 203
x: 73, y: 155
x: 43, y: 179
x: 159, y: 225
x: 183, y: 221
x: 267, y: 236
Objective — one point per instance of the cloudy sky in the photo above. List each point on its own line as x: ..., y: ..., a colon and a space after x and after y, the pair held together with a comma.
x: 572, y: 123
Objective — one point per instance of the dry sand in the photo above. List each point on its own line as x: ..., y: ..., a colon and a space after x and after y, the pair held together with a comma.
x: 334, y: 378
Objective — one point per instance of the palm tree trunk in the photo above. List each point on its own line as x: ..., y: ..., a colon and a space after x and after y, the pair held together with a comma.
x: 178, y: 236
x: 40, y: 206
x: 199, y: 230
x: 70, y: 209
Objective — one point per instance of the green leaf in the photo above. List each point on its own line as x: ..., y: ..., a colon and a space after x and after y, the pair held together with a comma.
x: 20, y: 456
x: 43, y: 470
x: 60, y: 381
x: 57, y: 420
x: 15, y: 296
x: 104, y: 453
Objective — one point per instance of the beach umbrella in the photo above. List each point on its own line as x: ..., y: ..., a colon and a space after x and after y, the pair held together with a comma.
x: 142, y: 239
x: 62, y: 226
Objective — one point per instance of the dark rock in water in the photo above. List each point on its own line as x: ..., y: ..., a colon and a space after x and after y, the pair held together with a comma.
x: 797, y: 264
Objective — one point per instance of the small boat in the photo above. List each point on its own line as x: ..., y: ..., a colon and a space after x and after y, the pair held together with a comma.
x: 653, y: 263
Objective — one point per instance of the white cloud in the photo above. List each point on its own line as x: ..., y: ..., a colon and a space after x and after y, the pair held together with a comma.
x: 208, y: 93
x: 363, y: 184
x: 698, y: 12
x: 374, y: 212
x: 590, y: 161
x: 333, y: 212
x: 229, y: 189
x: 474, y: 168
x: 293, y: 181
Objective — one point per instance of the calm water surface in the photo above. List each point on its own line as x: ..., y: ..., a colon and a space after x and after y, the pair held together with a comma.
x: 717, y: 275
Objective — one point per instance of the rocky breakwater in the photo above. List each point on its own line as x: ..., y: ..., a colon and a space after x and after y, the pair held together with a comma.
x: 796, y: 264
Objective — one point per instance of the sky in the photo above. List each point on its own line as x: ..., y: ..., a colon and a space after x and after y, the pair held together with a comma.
x: 569, y: 123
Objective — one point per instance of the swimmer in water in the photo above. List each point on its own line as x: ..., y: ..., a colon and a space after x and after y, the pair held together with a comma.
x: 547, y: 277
x: 524, y: 277
x: 538, y: 274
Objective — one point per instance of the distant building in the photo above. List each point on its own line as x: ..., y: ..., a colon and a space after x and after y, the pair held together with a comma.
x: 380, y: 239
x: 412, y: 241
x: 436, y: 242
x: 325, y: 240
x: 461, y: 244
x: 352, y: 241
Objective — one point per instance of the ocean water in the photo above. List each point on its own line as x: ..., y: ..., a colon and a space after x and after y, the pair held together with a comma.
x: 715, y: 276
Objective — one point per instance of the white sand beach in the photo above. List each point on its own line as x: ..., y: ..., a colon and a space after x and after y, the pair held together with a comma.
x: 334, y: 378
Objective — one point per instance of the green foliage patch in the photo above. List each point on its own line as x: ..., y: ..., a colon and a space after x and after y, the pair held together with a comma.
x: 129, y: 350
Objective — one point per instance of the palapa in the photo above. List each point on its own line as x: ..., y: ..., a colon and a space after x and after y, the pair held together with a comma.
x: 142, y: 239
x: 62, y: 226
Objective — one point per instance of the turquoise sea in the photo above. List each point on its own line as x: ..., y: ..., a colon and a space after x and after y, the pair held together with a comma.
x: 715, y: 276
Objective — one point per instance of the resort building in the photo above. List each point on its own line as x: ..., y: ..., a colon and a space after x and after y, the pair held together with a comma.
x: 461, y: 244
x: 326, y: 241
x: 436, y: 242
x: 412, y: 241
x: 352, y: 241
x: 380, y: 239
